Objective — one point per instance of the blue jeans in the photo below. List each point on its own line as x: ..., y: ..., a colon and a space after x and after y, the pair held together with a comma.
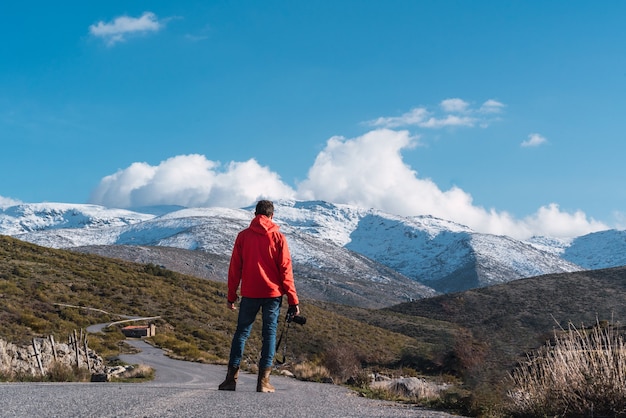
x: 248, y: 309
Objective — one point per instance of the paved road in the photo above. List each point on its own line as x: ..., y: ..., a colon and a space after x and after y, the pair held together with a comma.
x: 185, y: 389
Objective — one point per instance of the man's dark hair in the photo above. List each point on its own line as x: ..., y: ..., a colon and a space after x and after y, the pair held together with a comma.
x: 264, y: 207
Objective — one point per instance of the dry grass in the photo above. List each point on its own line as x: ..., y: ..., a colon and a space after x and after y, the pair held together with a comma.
x: 139, y: 372
x: 582, y: 374
x: 57, y: 372
x: 310, y: 372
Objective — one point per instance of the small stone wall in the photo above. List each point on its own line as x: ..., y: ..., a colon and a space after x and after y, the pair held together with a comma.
x: 22, y: 360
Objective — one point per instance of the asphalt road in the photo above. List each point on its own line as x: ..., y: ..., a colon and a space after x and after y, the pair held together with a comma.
x: 184, y: 389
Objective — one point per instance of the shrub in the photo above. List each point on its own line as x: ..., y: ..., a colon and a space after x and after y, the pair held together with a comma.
x: 582, y: 374
x: 310, y: 372
x: 59, y: 372
x: 36, y: 324
x: 467, y: 356
x: 342, y: 362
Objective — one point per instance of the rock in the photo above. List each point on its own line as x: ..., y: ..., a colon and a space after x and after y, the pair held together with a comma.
x: 100, y: 377
x: 286, y: 373
x: 411, y: 387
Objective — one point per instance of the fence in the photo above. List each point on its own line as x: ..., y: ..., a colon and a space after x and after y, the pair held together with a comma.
x: 42, y: 353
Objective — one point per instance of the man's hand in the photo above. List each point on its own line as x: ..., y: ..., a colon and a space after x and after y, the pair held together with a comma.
x: 293, y: 310
x: 231, y: 306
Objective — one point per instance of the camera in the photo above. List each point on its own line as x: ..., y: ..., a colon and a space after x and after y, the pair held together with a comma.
x: 298, y: 319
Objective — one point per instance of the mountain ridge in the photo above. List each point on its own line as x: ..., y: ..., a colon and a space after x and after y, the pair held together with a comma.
x: 439, y: 255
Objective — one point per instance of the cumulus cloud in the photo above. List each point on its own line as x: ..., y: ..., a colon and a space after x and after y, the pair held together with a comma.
x: 454, y: 105
x: 190, y: 180
x: 361, y: 170
x: 7, y: 202
x: 121, y: 27
x: 551, y: 221
x: 366, y: 171
x: 534, y: 140
x: 369, y: 171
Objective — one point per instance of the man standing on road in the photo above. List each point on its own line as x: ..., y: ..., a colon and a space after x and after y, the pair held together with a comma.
x: 261, y: 263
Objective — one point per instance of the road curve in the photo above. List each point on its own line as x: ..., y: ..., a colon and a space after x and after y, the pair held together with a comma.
x: 185, y: 389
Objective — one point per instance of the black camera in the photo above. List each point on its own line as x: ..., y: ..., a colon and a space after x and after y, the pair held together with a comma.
x: 298, y: 319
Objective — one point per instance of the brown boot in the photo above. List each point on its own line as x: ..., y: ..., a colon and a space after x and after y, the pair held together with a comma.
x: 230, y: 383
x: 263, y: 384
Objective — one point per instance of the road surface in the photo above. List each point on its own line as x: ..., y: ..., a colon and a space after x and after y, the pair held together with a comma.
x: 184, y: 389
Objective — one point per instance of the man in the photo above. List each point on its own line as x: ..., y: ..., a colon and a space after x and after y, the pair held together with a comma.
x: 261, y: 263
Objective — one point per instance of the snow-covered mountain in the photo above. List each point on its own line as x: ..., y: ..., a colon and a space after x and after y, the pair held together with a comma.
x: 328, y: 241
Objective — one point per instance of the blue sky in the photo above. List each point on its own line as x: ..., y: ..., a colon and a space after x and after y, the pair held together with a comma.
x: 507, y: 116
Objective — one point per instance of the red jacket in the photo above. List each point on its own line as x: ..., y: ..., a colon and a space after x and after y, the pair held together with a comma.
x: 261, y: 263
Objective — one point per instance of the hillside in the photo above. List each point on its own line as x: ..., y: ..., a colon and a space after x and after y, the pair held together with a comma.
x: 194, y: 324
x: 366, y: 283
x: 477, y: 335
x: 511, y: 319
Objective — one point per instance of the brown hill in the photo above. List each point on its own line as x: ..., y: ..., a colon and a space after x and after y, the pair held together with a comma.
x: 504, y: 322
x: 195, y: 323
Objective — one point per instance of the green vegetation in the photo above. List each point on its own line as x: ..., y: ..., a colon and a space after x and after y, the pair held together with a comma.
x: 195, y: 323
x: 474, y: 339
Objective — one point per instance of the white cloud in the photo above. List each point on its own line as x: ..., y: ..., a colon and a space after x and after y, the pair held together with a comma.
x: 7, y: 202
x: 421, y: 117
x: 454, y: 105
x: 369, y: 171
x: 190, y: 180
x: 551, y: 221
x: 491, y: 106
x: 361, y: 171
x: 450, y: 120
x: 366, y: 171
x: 534, y: 140
x: 123, y: 26
x: 415, y: 116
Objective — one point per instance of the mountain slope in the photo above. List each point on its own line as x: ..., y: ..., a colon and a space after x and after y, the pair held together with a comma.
x: 327, y: 240
x: 440, y: 254
x: 514, y: 318
x: 598, y: 250
x: 357, y: 282
x: 37, y: 284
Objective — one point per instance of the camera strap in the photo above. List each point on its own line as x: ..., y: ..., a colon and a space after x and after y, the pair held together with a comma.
x: 285, y: 331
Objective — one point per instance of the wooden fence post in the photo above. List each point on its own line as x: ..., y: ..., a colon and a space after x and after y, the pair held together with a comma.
x: 87, y: 354
x: 76, y: 349
x: 38, y: 356
x: 54, y: 349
